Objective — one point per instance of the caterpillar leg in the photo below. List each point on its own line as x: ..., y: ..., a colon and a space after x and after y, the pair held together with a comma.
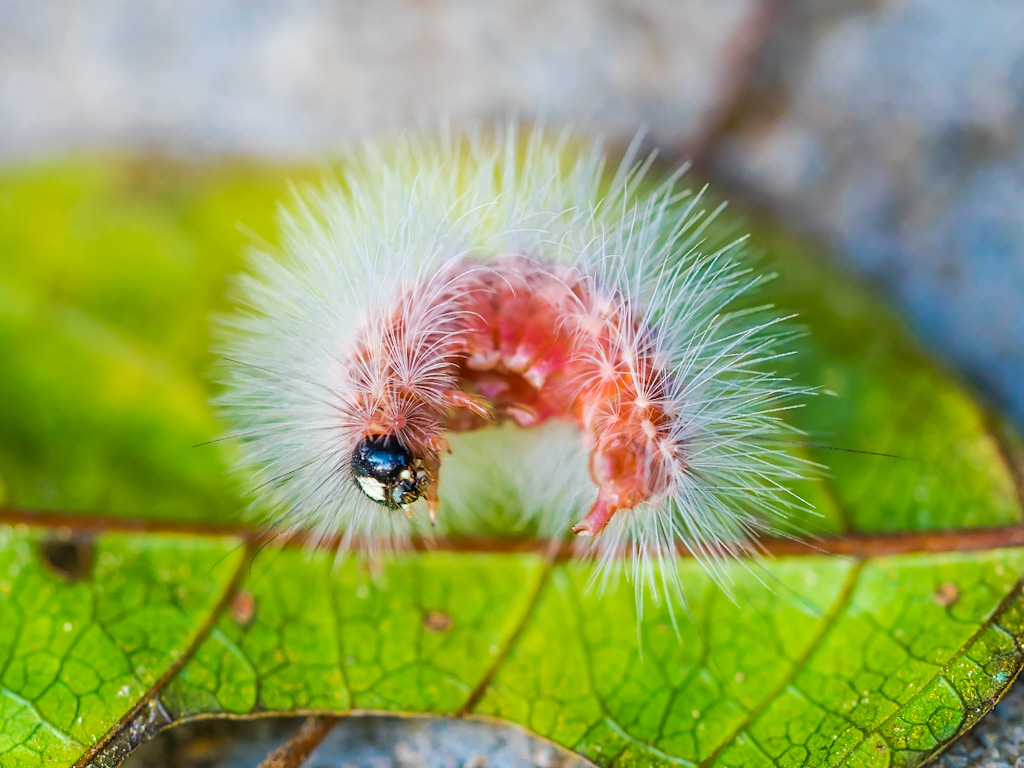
x: 433, y: 500
x: 475, y: 404
x: 437, y: 445
x: 523, y: 415
x: 597, y: 518
x: 628, y: 471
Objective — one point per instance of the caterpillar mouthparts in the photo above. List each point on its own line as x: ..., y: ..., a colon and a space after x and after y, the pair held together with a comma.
x: 501, y: 286
x: 389, y: 473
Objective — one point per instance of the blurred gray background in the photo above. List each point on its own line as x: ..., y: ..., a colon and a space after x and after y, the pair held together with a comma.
x: 893, y: 130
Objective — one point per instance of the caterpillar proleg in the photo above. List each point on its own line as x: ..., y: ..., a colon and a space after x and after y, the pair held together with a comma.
x: 462, y: 323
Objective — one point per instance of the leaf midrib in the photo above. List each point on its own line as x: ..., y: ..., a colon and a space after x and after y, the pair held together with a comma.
x: 854, y: 545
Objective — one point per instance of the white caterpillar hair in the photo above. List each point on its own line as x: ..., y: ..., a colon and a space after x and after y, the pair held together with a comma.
x: 315, y: 351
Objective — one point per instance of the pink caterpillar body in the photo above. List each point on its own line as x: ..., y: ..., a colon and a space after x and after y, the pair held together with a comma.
x: 520, y: 340
x: 483, y: 323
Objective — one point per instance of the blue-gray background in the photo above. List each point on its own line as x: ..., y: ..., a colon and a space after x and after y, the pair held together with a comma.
x: 893, y: 130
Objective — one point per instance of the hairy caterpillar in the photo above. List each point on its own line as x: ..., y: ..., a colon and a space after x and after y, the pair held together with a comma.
x: 479, y: 322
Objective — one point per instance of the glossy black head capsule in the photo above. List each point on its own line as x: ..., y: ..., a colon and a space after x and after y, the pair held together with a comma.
x: 388, y: 472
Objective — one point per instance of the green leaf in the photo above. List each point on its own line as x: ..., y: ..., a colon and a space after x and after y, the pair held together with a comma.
x: 78, y: 653
x: 138, y: 603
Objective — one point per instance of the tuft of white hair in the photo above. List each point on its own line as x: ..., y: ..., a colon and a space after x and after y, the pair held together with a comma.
x: 395, y: 218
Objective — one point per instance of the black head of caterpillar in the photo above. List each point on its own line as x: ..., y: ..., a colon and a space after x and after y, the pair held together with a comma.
x: 387, y: 472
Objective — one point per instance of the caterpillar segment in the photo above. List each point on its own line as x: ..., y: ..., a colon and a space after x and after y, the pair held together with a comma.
x: 514, y: 340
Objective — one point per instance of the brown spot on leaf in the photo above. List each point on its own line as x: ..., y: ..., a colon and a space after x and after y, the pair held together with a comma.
x: 436, y: 621
x: 947, y: 594
x: 68, y: 556
x: 243, y: 607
